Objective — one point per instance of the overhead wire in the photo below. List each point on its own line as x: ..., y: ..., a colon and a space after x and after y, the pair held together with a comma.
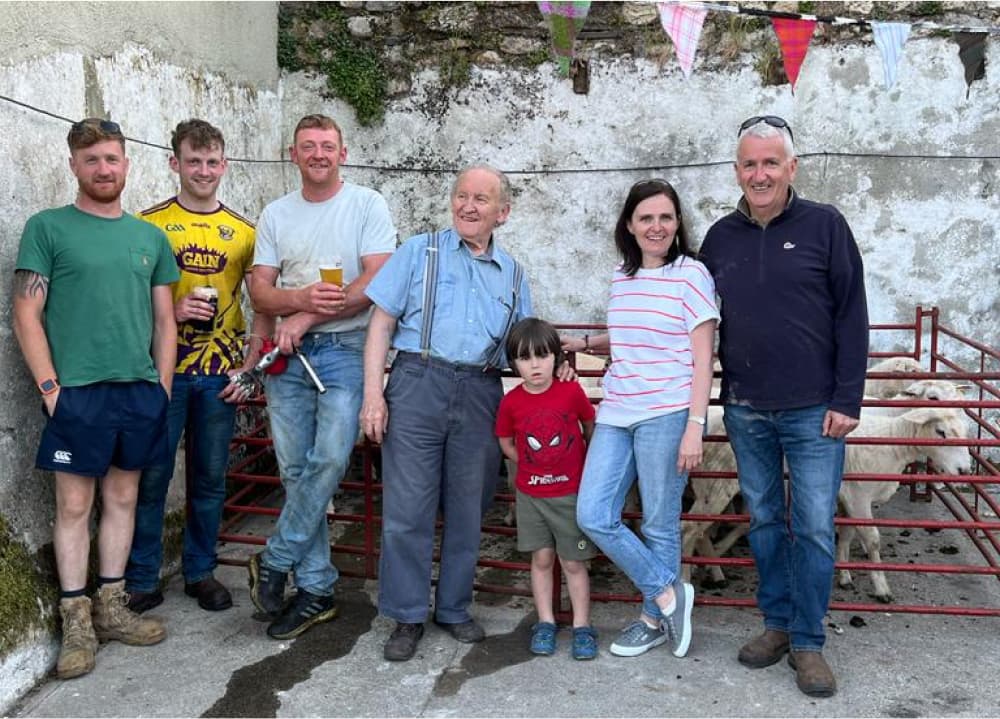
x: 450, y: 170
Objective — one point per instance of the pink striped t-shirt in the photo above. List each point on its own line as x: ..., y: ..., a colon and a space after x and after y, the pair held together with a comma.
x: 650, y: 319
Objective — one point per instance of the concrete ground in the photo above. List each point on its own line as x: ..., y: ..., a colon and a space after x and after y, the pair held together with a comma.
x: 223, y: 664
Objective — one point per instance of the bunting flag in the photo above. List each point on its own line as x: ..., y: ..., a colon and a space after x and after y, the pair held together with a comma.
x: 972, y: 53
x: 793, y: 36
x: 683, y: 24
x: 565, y: 19
x: 890, y: 38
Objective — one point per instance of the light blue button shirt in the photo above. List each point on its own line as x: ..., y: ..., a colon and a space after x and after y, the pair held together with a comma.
x: 474, y: 296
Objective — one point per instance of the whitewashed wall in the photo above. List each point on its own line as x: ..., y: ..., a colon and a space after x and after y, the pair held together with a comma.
x: 928, y: 229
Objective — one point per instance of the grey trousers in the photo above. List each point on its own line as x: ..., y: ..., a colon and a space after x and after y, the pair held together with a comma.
x: 439, y: 452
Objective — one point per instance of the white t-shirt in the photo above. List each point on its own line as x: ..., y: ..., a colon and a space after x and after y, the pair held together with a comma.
x: 650, y: 320
x: 296, y: 236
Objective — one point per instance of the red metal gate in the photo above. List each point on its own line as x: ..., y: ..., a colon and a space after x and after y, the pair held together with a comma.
x: 971, y: 500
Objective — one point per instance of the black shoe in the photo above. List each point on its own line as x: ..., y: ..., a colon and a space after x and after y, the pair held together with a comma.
x: 140, y: 602
x: 402, y: 643
x: 210, y: 593
x: 267, y: 587
x: 304, y: 611
x: 467, y: 632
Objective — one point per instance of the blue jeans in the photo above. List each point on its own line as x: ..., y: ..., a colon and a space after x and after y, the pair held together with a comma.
x: 616, y: 456
x: 439, y: 453
x: 313, y: 435
x: 792, y: 540
x: 194, y: 408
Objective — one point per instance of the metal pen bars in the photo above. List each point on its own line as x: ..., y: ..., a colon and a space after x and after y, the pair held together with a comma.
x: 254, y: 496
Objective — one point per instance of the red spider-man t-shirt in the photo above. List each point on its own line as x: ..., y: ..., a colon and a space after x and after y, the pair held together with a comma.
x: 546, y: 432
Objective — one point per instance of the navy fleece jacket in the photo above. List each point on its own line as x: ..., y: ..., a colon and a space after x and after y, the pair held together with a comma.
x: 794, y: 330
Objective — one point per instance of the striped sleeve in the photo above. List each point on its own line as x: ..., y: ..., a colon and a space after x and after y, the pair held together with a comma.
x: 699, y: 295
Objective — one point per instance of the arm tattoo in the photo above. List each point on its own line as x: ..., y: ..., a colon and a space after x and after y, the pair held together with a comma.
x: 29, y: 284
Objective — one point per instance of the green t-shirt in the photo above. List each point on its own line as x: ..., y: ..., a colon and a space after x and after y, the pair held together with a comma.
x: 99, y: 310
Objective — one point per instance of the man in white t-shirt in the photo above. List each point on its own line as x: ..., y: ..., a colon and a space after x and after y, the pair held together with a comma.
x: 326, y: 223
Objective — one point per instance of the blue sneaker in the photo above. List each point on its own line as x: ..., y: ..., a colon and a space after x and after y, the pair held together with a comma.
x: 678, y: 624
x: 584, y: 643
x: 543, y: 638
x: 637, y: 638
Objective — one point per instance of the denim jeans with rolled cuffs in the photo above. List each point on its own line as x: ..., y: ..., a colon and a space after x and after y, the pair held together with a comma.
x: 439, y: 452
x: 615, y: 458
x: 313, y: 435
x: 792, y: 543
x: 208, y: 422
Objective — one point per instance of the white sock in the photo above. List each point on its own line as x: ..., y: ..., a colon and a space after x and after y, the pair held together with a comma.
x: 669, y: 609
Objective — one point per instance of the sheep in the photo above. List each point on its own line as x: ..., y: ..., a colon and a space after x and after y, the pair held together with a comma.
x: 938, y: 390
x: 886, y: 388
x: 712, y: 496
x: 857, y: 497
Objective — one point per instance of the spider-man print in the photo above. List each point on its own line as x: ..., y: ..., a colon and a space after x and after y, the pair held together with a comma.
x: 546, y: 432
x: 547, y: 439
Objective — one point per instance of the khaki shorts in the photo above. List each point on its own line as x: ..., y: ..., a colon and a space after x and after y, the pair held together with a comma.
x: 547, y: 522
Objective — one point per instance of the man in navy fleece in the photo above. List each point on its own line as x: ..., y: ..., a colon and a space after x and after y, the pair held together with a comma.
x: 793, y: 346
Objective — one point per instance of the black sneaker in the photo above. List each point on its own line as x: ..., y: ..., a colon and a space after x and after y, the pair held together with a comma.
x: 304, y: 611
x: 267, y: 587
x: 402, y: 643
x: 140, y: 602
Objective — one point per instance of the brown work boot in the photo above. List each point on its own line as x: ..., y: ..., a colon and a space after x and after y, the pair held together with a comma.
x: 113, y: 620
x: 812, y: 674
x: 79, y: 643
x: 764, y: 650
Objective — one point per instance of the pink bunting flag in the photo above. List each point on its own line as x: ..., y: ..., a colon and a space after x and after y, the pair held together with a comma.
x: 566, y: 18
x: 683, y: 25
x: 794, y: 37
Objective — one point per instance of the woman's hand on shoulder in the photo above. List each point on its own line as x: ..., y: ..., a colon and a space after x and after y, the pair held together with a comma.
x: 565, y: 373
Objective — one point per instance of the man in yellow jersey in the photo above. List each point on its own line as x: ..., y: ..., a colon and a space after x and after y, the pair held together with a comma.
x: 214, y: 248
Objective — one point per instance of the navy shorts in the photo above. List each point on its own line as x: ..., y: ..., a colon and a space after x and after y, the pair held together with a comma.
x: 108, y: 423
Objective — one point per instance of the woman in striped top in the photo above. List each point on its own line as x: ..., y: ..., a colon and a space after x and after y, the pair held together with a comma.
x: 661, y: 328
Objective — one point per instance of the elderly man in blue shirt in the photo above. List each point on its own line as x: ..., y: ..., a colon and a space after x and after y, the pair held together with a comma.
x: 445, y: 301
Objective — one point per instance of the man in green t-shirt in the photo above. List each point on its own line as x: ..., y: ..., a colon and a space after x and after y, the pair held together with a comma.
x: 93, y: 315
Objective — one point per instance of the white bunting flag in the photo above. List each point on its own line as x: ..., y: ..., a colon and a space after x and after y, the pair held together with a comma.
x: 890, y: 37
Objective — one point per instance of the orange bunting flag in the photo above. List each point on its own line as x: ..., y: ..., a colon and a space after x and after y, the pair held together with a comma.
x: 793, y: 36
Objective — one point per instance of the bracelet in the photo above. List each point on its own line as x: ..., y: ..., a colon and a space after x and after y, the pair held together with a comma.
x: 586, y: 344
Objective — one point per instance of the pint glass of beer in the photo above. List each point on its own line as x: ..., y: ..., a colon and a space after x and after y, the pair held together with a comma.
x: 332, y: 271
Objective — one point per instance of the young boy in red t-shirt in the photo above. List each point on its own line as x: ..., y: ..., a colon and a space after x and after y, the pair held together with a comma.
x: 543, y: 426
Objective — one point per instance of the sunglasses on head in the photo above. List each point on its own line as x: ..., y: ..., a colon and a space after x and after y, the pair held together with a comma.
x: 772, y: 120
x: 105, y: 126
x: 657, y: 183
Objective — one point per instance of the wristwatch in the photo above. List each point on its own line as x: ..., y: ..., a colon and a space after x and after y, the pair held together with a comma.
x: 48, y: 386
x: 696, y: 419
